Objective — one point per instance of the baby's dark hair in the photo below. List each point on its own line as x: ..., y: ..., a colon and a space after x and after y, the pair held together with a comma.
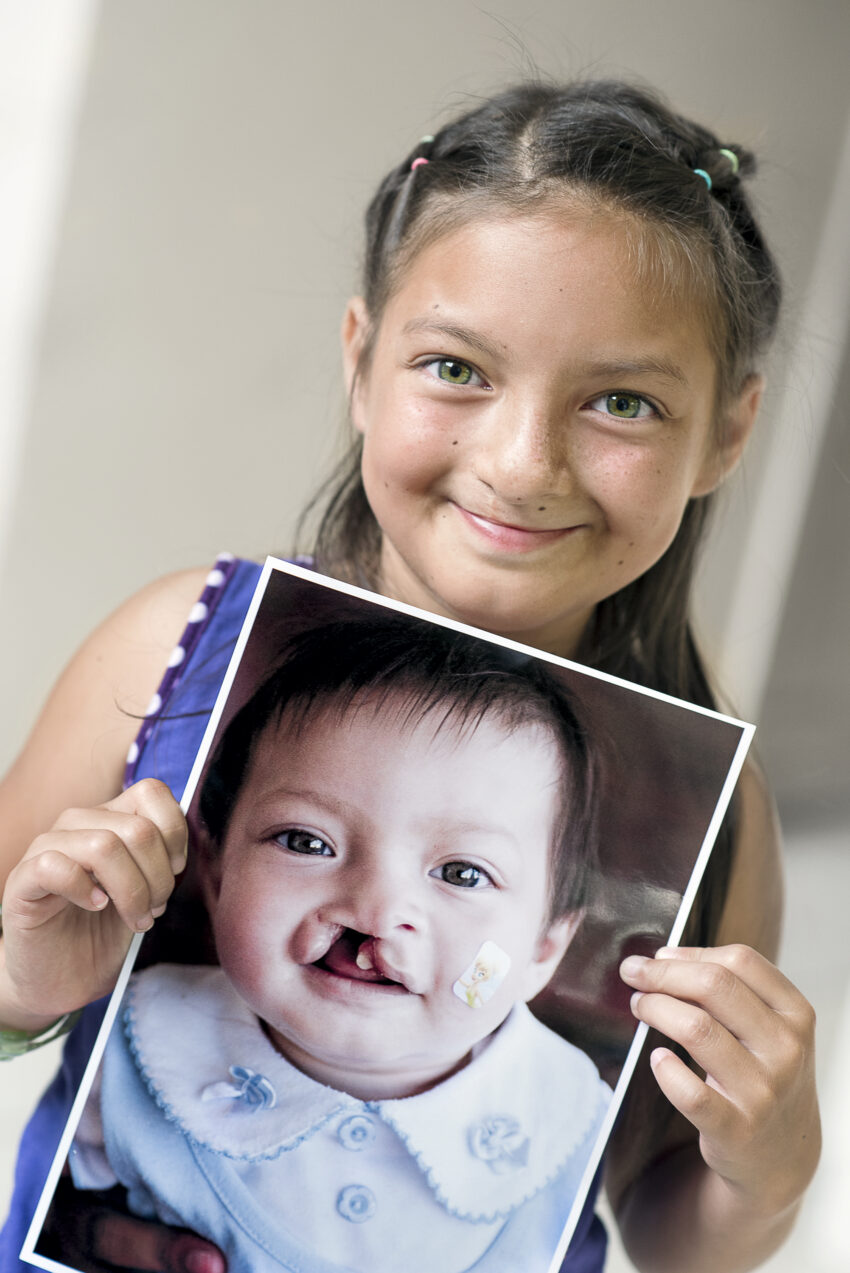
x: 426, y: 671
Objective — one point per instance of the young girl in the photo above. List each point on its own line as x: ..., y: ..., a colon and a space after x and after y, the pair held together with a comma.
x: 554, y: 363
x: 396, y: 805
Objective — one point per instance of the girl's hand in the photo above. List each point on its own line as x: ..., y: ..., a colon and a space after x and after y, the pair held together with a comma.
x: 752, y: 1033
x: 74, y: 901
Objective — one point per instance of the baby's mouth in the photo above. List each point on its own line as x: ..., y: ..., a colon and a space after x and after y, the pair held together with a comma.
x: 354, y: 955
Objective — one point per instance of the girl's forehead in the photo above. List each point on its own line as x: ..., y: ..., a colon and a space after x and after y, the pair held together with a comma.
x: 625, y: 277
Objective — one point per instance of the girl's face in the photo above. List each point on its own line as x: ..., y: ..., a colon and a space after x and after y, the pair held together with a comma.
x: 534, y: 421
x: 378, y: 838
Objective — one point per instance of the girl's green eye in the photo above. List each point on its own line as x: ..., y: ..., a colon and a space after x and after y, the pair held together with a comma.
x: 452, y: 371
x: 626, y: 406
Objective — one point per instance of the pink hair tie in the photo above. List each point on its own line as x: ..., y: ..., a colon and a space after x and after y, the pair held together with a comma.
x: 416, y: 163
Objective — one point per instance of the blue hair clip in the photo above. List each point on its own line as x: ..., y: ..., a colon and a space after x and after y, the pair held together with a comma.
x: 700, y: 172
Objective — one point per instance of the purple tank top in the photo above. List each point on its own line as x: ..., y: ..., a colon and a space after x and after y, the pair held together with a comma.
x: 165, y: 748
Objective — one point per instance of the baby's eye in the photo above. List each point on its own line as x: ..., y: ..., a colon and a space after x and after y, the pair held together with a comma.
x: 452, y: 372
x: 463, y: 875
x: 304, y: 842
x: 624, y: 406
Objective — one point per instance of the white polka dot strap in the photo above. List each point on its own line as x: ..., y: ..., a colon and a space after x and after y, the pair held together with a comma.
x: 199, y: 617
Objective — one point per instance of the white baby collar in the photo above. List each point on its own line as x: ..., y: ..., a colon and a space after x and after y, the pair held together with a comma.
x: 486, y: 1140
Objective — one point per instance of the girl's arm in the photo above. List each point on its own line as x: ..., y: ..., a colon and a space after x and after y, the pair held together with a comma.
x: 73, y: 764
x: 74, y: 760
x: 718, y: 1192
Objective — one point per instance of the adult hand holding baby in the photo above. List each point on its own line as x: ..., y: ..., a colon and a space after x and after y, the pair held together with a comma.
x: 73, y: 903
x: 96, y: 1237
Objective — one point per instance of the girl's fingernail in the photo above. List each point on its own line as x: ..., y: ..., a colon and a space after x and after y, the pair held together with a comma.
x: 633, y: 965
x: 98, y: 898
x: 158, y: 910
x: 635, y: 1000
x: 145, y: 923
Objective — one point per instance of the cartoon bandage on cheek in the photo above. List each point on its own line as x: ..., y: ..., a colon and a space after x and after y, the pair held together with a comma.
x: 483, y: 976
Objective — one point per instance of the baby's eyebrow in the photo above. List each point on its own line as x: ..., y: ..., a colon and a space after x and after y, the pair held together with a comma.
x: 448, y: 829
x: 326, y: 799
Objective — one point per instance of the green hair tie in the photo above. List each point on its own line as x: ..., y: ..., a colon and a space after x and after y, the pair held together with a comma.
x: 733, y: 159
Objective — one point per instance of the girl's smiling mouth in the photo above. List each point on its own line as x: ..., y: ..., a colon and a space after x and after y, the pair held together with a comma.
x: 509, y: 537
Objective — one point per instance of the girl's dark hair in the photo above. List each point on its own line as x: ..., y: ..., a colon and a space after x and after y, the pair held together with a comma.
x: 420, y: 670
x: 608, y: 146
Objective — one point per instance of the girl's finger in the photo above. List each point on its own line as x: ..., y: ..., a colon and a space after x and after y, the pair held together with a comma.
x: 751, y: 968
x: 51, y: 874
x: 707, y: 1109
x: 142, y: 840
x: 712, y: 987
x: 153, y: 800
x: 732, y: 1067
x: 104, y: 857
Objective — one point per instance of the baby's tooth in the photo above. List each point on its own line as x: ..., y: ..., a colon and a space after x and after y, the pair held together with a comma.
x: 363, y: 960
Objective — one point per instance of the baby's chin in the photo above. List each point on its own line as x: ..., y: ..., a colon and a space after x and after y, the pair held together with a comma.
x: 359, y: 1073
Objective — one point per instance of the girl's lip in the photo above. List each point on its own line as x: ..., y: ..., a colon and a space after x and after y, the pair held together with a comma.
x: 512, y: 538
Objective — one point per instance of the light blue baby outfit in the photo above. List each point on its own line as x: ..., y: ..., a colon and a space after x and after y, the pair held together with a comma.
x: 207, y: 1126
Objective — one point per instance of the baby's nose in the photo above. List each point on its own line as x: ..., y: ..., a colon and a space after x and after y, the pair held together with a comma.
x: 378, y: 904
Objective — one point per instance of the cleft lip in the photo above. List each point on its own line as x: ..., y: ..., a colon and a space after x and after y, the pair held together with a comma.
x: 372, y: 957
x: 362, y: 958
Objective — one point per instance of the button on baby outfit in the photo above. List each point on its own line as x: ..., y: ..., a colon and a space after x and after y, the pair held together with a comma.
x: 356, y: 1132
x: 356, y: 1203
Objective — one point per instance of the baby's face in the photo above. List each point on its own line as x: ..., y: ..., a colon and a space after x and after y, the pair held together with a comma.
x: 373, y: 838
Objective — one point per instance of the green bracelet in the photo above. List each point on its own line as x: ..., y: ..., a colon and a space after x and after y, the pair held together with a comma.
x: 18, y: 1042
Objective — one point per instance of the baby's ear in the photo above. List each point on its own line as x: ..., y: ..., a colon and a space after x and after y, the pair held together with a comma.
x: 551, y: 948
x: 208, y: 866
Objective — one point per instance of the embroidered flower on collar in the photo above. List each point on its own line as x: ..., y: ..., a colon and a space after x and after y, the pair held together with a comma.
x: 253, y: 1089
x: 499, y: 1141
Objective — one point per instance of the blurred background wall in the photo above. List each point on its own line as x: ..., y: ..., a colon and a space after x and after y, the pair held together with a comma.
x: 183, y: 183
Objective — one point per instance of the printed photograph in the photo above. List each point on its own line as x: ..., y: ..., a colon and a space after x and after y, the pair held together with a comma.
x: 381, y: 1025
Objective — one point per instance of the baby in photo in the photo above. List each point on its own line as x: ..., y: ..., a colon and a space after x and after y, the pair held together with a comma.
x: 397, y: 832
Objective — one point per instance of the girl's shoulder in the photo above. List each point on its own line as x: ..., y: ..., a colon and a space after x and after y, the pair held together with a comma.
x: 75, y: 755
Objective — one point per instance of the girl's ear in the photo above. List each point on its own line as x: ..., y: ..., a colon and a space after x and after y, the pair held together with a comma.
x: 737, y: 425
x: 550, y: 950
x: 355, y: 331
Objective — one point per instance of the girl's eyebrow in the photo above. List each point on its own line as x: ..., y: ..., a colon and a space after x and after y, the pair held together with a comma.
x: 455, y: 332
x: 650, y: 365
x: 613, y: 371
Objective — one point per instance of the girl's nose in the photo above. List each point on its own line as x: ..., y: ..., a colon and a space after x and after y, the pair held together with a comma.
x: 524, y: 455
